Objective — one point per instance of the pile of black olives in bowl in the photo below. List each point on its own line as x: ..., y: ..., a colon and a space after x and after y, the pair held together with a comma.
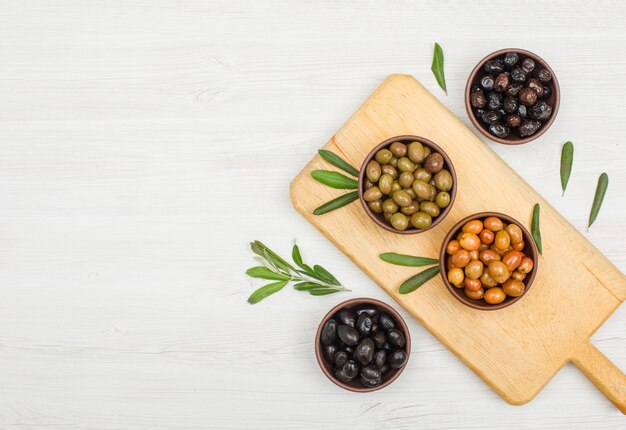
x: 511, y: 95
x: 363, y: 344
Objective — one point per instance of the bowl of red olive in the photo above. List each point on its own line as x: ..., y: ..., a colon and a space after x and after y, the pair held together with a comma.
x: 407, y: 184
x: 488, y: 261
x: 362, y: 345
x: 512, y: 96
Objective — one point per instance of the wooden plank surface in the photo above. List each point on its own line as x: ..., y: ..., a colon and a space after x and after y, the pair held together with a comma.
x: 516, y: 350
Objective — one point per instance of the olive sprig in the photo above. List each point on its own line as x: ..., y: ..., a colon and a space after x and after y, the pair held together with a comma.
x: 415, y: 281
x: 316, y: 280
x: 336, y: 180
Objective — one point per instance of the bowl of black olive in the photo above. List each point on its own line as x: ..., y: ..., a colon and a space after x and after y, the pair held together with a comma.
x: 362, y: 345
x: 512, y: 96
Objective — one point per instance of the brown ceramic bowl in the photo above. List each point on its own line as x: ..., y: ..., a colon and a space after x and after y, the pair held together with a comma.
x: 355, y: 384
x: 530, y: 250
x: 379, y: 219
x: 554, y: 99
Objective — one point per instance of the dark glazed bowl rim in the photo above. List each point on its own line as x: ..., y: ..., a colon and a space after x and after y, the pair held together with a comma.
x: 530, y: 250
x: 448, y: 164
x: 401, y: 324
x: 473, y: 76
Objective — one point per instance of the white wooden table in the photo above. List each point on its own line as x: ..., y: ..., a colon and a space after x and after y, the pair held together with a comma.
x: 144, y: 143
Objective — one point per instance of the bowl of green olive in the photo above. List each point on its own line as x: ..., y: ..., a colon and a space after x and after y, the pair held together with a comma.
x: 407, y: 184
x: 488, y: 261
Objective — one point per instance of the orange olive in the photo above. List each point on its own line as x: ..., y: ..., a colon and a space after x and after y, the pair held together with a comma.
x: 487, y: 256
x: 475, y: 295
x: 512, y: 259
x: 487, y: 280
x: 458, y: 236
x: 500, y: 252
x: 493, y: 223
x: 469, y: 241
x: 498, y: 271
x: 526, y: 265
x: 474, y: 254
x: 483, y: 246
x: 453, y: 246
x: 486, y: 236
x: 513, y: 288
x: 455, y: 277
x: 515, y: 233
x: 474, y: 269
x: 518, y: 276
x: 472, y: 284
x: 502, y: 240
x: 519, y: 246
x: 460, y: 258
x: 474, y: 226
x: 494, y: 295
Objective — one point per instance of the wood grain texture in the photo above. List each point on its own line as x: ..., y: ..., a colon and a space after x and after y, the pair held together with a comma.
x: 518, y: 349
x: 123, y: 125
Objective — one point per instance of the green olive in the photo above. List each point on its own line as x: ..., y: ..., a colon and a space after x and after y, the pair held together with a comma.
x: 442, y: 199
x: 394, y: 162
x: 402, y: 198
x: 411, y: 193
x: 372, y: 171
x: 416, y: 152
x: 443, y: 180
x: 433, y: 193
x: 423, y: 174
x: 398, y: 149
x: 427, y: 151
x: 399, y: 221
x: 387, y: 216
x: 430, y: 208
x: 406, y: 165
x: 383, y: 156
x: 390, y: 170
x: 389, y: 206
x: 410, y: 209
x: 395, y: 186
x: 421, y: 220
x: 372, y: 194
x: 385, y: 183
x: 434, y: 162
x: 422, y: 189
x: 406, y: 179
x: 376, y: 206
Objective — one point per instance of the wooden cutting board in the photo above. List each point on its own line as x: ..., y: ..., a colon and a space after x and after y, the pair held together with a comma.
x: 515, y: 350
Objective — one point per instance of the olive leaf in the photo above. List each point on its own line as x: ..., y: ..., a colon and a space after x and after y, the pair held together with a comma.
x: 603, y: 184
x: 337, y: 203
x: 414, y: 282
x: 567, y: 159
x: 325, y: 275
x: 266, y: 290
x: 407, y: 260
x: 265, y: 273
x: 437, y: 67
x: 337, y: 161
x: 334, y: 180
x: 534, y: 226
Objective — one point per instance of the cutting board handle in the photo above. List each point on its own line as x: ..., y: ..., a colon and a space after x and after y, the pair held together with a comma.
x: 603, y: 373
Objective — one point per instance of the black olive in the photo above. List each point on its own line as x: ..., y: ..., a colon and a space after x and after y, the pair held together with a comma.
x: 329, y: 352
x: 375, y: 327
x: 364, y: 352
x: 510, y: 104
x: 502, y: 82
x: 528, y: 65
x: 396, y: 338
x: 380, y: 358
x: 493, y: 66
x: 478, y: 99
x: 348, y: 335
x: 494, y: 100
x: 397, y: 359
x: 511, y: 59
x: 499, y: 130
x: 341, y: 375
x: 346, y: 317
x: 384, y: 369
x: 522, y: 111
x: 513, y: 120
x: 350, y: 369
x: 514, y: 88
x: 386, y: 322
x: 329, y: 332
x: 536, y: 86
x: 529, y: 127
x: 544, y: 75
x: 369, y: 383
x: 370, y: 310
x: 491, y: 117
x: 487, y: 82
x: 340, y: 358
x: 547, y: 91
x: 541, y: 111
x: 379, y: 339
x: 370, y: 372
x: 364, y: 324
x: 349, y: 350
x: 527, y: 97
x: 518, y: 74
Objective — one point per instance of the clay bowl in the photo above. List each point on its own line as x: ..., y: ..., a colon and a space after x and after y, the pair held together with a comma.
x: 355, y: 384
x: 554, y: 100
x: 530, y: 250
x: 379, y: 218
